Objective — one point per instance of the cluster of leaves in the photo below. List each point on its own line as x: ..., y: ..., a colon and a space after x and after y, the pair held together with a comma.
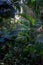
x: 22, y: 53
x: 35, y: 5
x: 17, y: 46
x: 17, y: 42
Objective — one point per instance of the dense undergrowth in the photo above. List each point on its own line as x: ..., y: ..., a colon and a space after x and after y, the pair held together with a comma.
x: 20, y: 42
x: 17, y: 46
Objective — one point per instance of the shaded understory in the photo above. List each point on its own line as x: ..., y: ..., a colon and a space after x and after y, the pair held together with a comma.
x: 17, y: 48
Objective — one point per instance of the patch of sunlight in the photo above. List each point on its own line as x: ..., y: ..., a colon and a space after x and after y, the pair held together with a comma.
x: 17, y: 17
x: 21, y: 10
x: 12, y: 20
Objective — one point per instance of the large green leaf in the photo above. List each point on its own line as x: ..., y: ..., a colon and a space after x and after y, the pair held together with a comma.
x: 28, y: 17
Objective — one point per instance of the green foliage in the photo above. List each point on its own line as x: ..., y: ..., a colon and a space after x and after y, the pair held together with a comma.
x: 32, y: 20
x: 35, y: 6
x: 18, y: 40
